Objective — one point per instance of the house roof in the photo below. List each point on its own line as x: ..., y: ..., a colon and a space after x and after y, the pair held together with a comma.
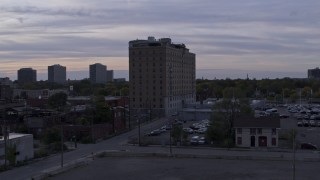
x: 261, y: 122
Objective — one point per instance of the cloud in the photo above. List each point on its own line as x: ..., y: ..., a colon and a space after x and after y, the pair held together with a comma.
x: 223, y: 34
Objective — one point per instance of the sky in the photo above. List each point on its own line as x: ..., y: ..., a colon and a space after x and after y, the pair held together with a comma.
x: 278, y: 37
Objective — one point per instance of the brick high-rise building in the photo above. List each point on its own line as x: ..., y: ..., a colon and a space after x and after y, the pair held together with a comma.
x: 57, y: 74
x: 161, y: 75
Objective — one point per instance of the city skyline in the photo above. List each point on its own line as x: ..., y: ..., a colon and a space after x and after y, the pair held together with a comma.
x: 248, y: 36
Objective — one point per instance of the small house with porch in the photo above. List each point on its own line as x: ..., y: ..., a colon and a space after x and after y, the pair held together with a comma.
x: 257, y: 132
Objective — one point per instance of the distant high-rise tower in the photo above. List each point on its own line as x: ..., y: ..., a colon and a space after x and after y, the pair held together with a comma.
x: 57, y: 74
x: 27, y: 75
x: 161, y: 76
x: 314, y: 73
x: 109, y: 75
x: 98, y: 73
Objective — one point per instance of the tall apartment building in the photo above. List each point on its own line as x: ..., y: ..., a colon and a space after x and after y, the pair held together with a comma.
x: 161, y: 75
x: 27, y: 75
x: 6, y: 89
x: 98, y: 73
x: 314, y: 73
x: 57, y: 74
x: 109, y: 75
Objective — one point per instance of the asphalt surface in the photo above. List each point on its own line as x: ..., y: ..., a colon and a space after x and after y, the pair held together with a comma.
x: 145, y: 168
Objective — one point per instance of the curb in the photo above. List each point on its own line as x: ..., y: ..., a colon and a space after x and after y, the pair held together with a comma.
x: 58, y: 170
x: 227, y: 157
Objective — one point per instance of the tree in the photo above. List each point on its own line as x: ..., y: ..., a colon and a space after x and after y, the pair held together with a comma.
x: 124, y: 91
x: 233, y: 105
x: 110, y: 89
x: 306, y: 92
x: 11, y: 153
x: 102, y: 111
x: 176, y: 133
x: 82, y: 121
x: 58, y: 100
x: 52, y: 135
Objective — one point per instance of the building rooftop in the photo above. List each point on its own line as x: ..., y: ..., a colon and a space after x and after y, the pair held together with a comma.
x: 87, y: 98
x: 151, y: 41
x: 14, y: 135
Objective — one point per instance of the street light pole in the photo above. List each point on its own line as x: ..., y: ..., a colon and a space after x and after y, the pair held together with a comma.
x: 294, y: 154
x: 170, y: 142
x: 61, y: 143
x: 139, y: 131
x: 5, y: 137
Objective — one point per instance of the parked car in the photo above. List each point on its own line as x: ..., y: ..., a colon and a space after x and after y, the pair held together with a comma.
x: 312, y: 123
x: 202, y: 140
x: 188, y: 130
x: 308, y: 146
x: 194, y: 140
x: 284, y: 116
x: 305, y: 123
x: 167, y: 127
x: 299, y: 124
x: 201, y: 130
x: 155, y: 132
x: 162, y: 129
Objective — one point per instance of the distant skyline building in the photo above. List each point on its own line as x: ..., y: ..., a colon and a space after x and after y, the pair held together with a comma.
x: 98, y: 73
x: 57, y: 74
x: 27, y: 75
x: 6, y: 81
x: 314, y: 73
x: 161, y: 76
x: 109, y: 75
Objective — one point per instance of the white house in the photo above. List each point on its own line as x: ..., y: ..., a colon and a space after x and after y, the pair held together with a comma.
x: 24, y: 146
x: 257, y: 132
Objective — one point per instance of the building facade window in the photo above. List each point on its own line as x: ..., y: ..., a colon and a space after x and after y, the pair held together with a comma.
x: 259, y: 130
x: 274, y: 141
x: 239, y: 130
x: 239, y: 140
x: 274, y: 131
x: 252, y: 131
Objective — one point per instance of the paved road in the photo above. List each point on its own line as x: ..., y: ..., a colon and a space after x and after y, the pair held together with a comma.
x: 119, y: 143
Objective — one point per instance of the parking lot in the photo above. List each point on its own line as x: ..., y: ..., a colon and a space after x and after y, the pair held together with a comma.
x: 193, y: 133
x: 305, y: 119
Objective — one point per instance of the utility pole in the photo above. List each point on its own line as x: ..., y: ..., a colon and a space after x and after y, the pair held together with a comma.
x: 61, y: 143
x: 139, y: 131
x: 170, y: 146
x: 5, y: 136
x: 149, y: 110
x: 294, y: 154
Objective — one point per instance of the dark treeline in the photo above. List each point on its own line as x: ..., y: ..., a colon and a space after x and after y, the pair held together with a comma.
x: 271, y: 89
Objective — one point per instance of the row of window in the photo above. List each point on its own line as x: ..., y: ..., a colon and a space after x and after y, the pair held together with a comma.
x: 254, y: 131
x: 273, y: 141
x: 170, y: 53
